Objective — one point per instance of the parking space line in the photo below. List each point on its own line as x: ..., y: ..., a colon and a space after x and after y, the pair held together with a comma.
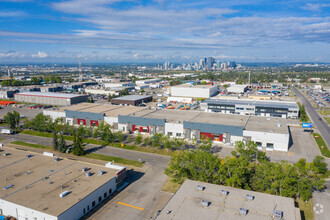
x: 121, y: 203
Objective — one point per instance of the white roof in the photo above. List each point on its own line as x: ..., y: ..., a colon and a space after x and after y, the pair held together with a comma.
x: 49, y: 94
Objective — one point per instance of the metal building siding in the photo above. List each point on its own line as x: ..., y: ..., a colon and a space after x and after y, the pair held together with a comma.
x: 125, y: 119
x: 84, y: 115
x: 214, y: 128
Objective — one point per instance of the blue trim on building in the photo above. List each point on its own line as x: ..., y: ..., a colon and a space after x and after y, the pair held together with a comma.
x: 214, y: 128
x: 84, y: 115
x: 142, y: 121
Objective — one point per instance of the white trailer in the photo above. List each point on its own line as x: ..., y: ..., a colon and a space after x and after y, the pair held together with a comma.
x: 6, y: 131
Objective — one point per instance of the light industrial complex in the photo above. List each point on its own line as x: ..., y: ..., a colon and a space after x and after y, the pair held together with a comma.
x: 197, y: 200
x: 269, y: 108
x: 50, y: 98
x: 269, y: 133
x: 38, y: 186
x: 194, y: 91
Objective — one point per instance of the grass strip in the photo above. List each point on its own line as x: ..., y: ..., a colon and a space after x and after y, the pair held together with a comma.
x: 114, y: 159
x: 306, y: 209
x: 170, y: 186
x: 321, y: 144
x: 25, y: 144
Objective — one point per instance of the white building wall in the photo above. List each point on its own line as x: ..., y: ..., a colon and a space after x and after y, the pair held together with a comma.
x: 193, y: 92
x: 280, y: 141
x: 174, y: 128
x: 233, y: 139
x: 76, y: 211
x: 111, y: 120
x: 21, y: 212
x: 54, y: 114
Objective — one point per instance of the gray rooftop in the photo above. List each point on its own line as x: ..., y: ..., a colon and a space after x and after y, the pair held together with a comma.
x: 187, y: 204
x: 257, y: 103
x: 132, y: 97
x: 49, y: 94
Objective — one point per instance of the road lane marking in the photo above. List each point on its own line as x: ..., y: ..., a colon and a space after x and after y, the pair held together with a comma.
x: 121, y: 203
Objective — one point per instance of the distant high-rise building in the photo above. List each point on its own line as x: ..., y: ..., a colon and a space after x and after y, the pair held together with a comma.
x: 209, y: 63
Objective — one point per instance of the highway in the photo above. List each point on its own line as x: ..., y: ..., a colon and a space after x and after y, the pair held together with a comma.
x: 321, y: 125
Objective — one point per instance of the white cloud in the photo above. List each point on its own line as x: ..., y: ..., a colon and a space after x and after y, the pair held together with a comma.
x: 315, y: 7
x: 12, y: 14
x: 40, y: 54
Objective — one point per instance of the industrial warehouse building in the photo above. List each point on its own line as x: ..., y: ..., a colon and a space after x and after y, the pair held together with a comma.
x: 194, y: 91
x: 237, y: 89
x: 50, y: 98
x: 269, y: 108
x: 134, y: 100
x: 36, y: 186
x: 198, y: 200
x: 147, y: 81
x: 268, y: 133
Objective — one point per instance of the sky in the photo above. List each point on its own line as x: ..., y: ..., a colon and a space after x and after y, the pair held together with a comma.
x: 110, y: 31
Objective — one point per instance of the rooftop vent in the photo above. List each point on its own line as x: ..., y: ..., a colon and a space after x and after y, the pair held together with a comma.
x: 28, y: 172
x: 65, y: 193
x: 88, y: 174
x: 279, y: 125
x: 243, y: 211
x: 249, y: 197
x: 28, y: 155
x: 101, y: 172
x: 205, y: 203
x: 8, y: 187
x: 168, y: 211
x: 56, y: 159
x: 200, y: 188
x: 224, y: 192
x: 84, y: 169
x: 277, y: 214
x: 5, y: 154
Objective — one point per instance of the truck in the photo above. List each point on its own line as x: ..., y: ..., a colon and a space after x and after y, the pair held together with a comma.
x: 6, y: 131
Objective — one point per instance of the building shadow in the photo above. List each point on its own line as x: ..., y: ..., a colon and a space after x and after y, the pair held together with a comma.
x: 93, y: 149
x: 290, y: 138
x: 131, y: 177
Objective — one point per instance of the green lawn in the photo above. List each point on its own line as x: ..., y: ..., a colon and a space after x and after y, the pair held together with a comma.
x: 100, y: 142
x: 114, y: 159
x: 327, y: 119
x: 66, y: 137
x: 22, y: 143
x: 143, y: 149
x: 324, y: 112
x: 320, y: 143
x: 170, y: 186
x: 306, y: 209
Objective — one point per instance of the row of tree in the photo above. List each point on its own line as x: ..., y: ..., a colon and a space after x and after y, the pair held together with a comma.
x: 247, y: 171
x: 14, y: 82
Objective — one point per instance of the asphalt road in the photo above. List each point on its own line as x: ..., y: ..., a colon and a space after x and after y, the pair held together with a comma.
x: 321, y: 125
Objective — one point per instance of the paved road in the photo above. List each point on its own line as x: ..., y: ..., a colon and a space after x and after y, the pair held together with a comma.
x: 321, y: 201
x: 322, y: 126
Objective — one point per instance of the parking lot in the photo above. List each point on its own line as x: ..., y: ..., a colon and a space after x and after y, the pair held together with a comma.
x: 29, y: 113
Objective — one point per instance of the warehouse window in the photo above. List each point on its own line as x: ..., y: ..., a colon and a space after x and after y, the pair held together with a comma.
x: 100, y: 198
x: 93, y: 203
x: 105, y: 195
x: 84, y: 211
x: 88, y: 208
x: 110, y: 191
x: 259, y: 144
x: 270, y: 145
x: 169, y: 133
x: 178, y: 134
x: 239, y: 108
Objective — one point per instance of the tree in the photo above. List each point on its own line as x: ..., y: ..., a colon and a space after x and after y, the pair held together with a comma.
x: 55, y: 141
x: 247, y: 150
x: 138, y: 139
x: 13, y: 119
x: 77, y: 146
x: 109, y: 97
x: 62, y: 144
x: 320, y: 164
x: 262, y: 157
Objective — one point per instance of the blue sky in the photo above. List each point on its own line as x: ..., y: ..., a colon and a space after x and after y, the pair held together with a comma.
x: 161, y: 30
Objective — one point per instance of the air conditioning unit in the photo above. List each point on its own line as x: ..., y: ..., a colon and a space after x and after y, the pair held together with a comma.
x: 249, y: 197
x: 224, y: 192
x: 243, y: 211
x: 200, y: 188
x: 205, y: 203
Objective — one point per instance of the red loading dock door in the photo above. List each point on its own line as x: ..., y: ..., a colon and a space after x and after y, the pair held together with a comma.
x: 214, y: 137
x: 81, y: 122
x: 94, y: 123
x: 144, y: 129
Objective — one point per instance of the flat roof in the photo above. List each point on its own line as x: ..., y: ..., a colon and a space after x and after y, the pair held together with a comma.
x: 188, y: 85
x: 257, y: 103
x: 50, y: 94
x: 47, y: 179
x: 132, y: 97
x: 186, y: 204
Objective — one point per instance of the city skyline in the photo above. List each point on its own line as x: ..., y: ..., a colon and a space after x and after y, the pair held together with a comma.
x: 156, y: 31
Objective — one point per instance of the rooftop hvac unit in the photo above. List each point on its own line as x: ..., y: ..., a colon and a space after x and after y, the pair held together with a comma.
x: 28, y: 155
x: 56, y: 159
x: 243, y: 211
x: 277, y: 214
x: 5, y: 154
x: 65, y: 193
x: 205, y: 203
x: 200, y: 188
x: 249, y: 197
x: 84, y: 169
x: 224, y: 192
x: 101, y: 172
x: 88, y: 174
